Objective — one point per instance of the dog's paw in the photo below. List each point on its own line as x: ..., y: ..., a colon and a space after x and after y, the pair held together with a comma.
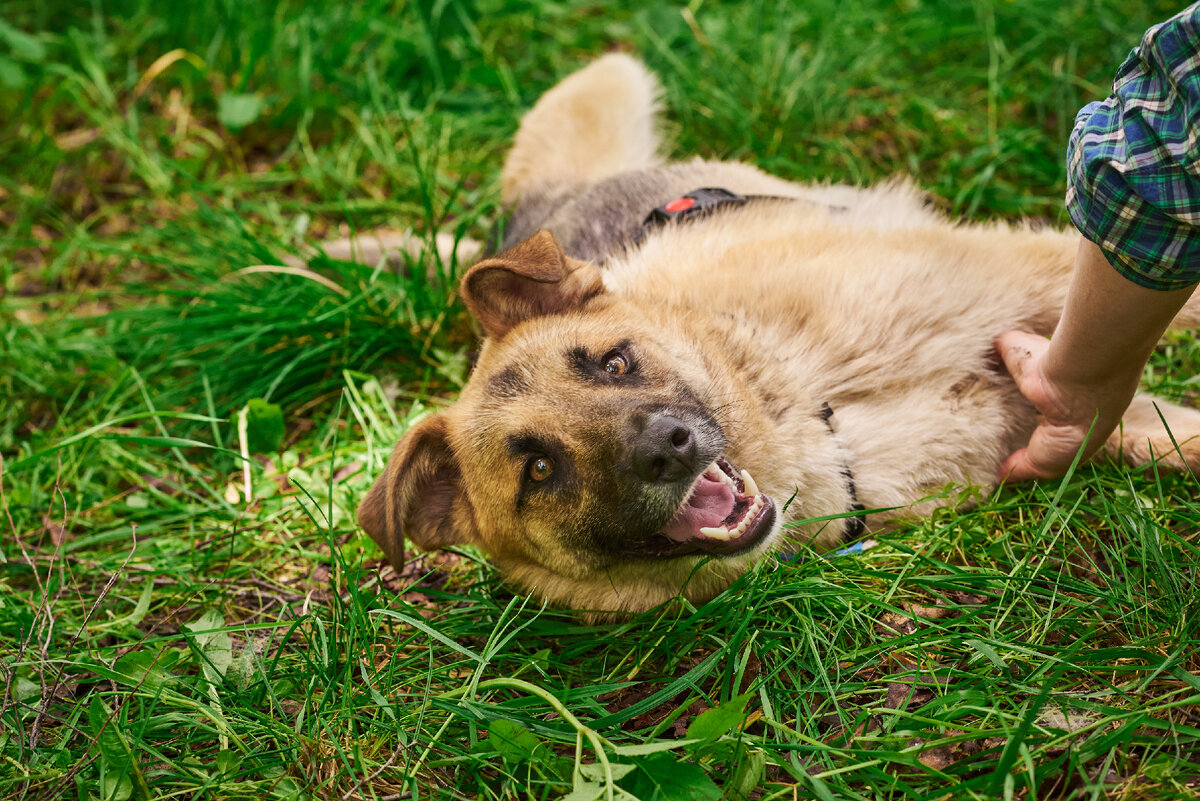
x: 1157, y: 431
x: 392, y: 249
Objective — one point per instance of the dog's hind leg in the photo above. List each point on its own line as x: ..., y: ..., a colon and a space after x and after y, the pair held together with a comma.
x: 1155, y: 430
x: 597, y: 122
x: 396, y: 250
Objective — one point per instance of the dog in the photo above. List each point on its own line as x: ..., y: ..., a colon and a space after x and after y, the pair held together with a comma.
x: 689, y: 366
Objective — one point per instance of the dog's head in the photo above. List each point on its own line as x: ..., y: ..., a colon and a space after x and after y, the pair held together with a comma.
x: 589, y: 453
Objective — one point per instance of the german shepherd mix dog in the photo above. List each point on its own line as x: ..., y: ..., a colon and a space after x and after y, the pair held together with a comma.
x: 683, y: 359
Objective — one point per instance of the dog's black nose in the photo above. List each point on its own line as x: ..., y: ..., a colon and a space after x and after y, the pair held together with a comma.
x: 664, y: 451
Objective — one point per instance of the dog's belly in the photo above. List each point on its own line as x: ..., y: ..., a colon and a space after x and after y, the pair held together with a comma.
x: 907, y: 447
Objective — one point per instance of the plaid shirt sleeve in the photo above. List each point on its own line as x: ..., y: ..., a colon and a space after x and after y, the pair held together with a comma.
x: 1133, y: 162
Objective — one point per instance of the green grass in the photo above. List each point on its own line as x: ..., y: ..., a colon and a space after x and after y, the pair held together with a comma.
x: 159, y: 637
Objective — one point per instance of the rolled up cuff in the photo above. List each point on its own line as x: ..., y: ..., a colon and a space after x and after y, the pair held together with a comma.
x: 1133, y: 184
x: 1144, y: 245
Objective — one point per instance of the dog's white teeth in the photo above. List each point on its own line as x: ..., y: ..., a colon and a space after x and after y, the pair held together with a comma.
x: 725, y: 534
x: 751, y: 487
x: 751, y: 513
x: 718, y: 533
x: 714, y: 473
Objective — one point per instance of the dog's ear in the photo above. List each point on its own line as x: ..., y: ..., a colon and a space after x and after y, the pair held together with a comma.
x: 419, y: 495
x: 532, y: 279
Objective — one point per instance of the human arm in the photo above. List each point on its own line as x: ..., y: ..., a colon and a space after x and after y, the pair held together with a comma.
x: 1089, y: 370
x: 1132, y: 188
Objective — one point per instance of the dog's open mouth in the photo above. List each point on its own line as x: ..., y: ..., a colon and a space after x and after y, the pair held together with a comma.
x: 725, y: 514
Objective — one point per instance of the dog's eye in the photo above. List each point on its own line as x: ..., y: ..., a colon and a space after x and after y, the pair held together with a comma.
x: 539, y: 469
x: 615, y: 364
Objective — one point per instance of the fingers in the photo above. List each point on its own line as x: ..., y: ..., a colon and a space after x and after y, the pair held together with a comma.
x: 1050, y: 453
x: 1019, y: 466
x: 1021, y: 351
x: 1014, y: 468
x: 1056, y: 440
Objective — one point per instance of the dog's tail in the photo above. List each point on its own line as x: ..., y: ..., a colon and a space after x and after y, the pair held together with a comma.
x: 595, y: 123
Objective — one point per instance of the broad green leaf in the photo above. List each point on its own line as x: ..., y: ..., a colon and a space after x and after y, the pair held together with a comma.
x: 588, y: 791
x: 118, y: 771
x: 145, y: 669
x: 594, y: 771
x: 27, y: 689
x: 264, y: 426
x: 236, y: 110
x: 107, y: 733
x: 288, y: 789
x: 660, y: 777
x: 216, y: 646
x: 247, y: 667
x: 215, y: 656
x: 749, y: 774
x: 228, y: 761
x: 115, y: 784
x: 541, y: 660
x: 515, y: 742
x: 714, y: 723
x: 643, y: 749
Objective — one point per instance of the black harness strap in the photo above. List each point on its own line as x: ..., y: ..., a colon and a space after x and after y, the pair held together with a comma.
x: 856, y: 524
x: 699, y: 203
x: 706, y: 201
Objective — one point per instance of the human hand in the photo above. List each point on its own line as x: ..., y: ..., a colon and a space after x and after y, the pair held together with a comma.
x: 1069, y: 413
x: 1083, y: 379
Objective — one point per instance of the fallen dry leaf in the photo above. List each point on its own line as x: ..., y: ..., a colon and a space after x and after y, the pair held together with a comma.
x: 342, y: 473
x: 891, y: 625
x: 966, y: 598
x: 928, y: 612
x: 902, y: 660
x: 938, y: 758
x: 58, y: 534
x: 904, y: 695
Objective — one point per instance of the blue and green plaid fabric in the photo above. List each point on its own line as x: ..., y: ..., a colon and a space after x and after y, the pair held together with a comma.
x: 1133, y: 162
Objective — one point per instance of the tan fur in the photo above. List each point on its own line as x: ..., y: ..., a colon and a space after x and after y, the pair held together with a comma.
x: 1154, y: 430
x: 597, y: 122
x: 860, y: 299
x: 533, y: 279
x: 396, y: 250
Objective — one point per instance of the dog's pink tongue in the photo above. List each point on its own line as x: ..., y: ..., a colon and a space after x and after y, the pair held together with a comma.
x: 710, y: 503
